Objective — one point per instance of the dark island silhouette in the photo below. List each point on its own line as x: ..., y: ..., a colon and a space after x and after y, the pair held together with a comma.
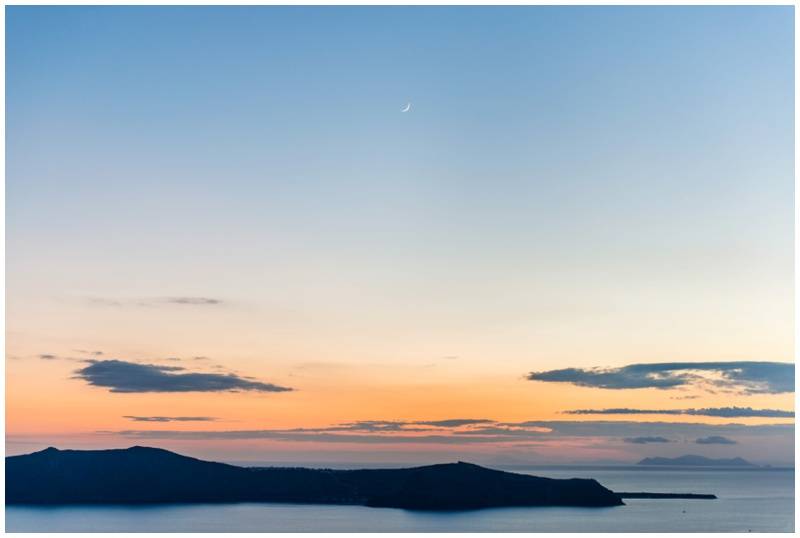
x: 150, y: 475
x: 649, y: 495
x: 142, y: 475
x: 697, y: 461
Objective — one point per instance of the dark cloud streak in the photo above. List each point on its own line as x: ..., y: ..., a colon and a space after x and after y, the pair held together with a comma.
x: 453, y: 422
x: 192, y: 300
x: 644, y: 440
x: 154, y: 301
x: 169, y: 419
x: 130, y: 377
x: 715, y: 440
x: 389, y: 432
x: 748, y: 377
x: 725, y: 412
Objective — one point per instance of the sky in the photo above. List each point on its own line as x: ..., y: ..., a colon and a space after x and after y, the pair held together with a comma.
x: 226, y: 238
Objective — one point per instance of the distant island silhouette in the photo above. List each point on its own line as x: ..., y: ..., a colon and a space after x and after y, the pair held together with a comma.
x: 697, y: 461
x: 648, y: 495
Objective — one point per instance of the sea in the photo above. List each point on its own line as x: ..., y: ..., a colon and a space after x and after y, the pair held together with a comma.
x: 749, y: 500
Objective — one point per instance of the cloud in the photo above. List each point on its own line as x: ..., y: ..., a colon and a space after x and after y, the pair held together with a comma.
x: 715, y: 440
x: 509, y: 431
x: 123, y: 376
x: 403, y: 426
x: 646, y: 440
x: 54, y: 357
x: 169, y: 419
x: 453, y: 422
x: 732, y: 412
x: 154, y: 301
x: 298, y: 435
x: 370, y: 426
x: 624, y: 411
x: 726, y: 412
x: 624, y: 428
x: 192, y: 300
x: 511, y: 434
x: 748, y: 377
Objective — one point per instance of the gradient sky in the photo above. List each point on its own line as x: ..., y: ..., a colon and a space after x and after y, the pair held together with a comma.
x: 573, y: 188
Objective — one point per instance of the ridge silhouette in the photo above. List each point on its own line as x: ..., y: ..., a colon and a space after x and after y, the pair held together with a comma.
x: 140, y: 474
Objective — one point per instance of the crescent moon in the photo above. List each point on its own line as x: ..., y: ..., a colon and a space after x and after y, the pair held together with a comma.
x: 407, y: 108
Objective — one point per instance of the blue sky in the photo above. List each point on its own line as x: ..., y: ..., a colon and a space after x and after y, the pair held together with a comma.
x: 573, y: 187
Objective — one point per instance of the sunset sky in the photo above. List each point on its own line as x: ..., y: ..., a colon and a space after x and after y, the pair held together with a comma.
x: 226, y: 238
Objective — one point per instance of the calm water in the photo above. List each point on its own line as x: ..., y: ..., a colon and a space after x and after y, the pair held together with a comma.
x: 757, y: 500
